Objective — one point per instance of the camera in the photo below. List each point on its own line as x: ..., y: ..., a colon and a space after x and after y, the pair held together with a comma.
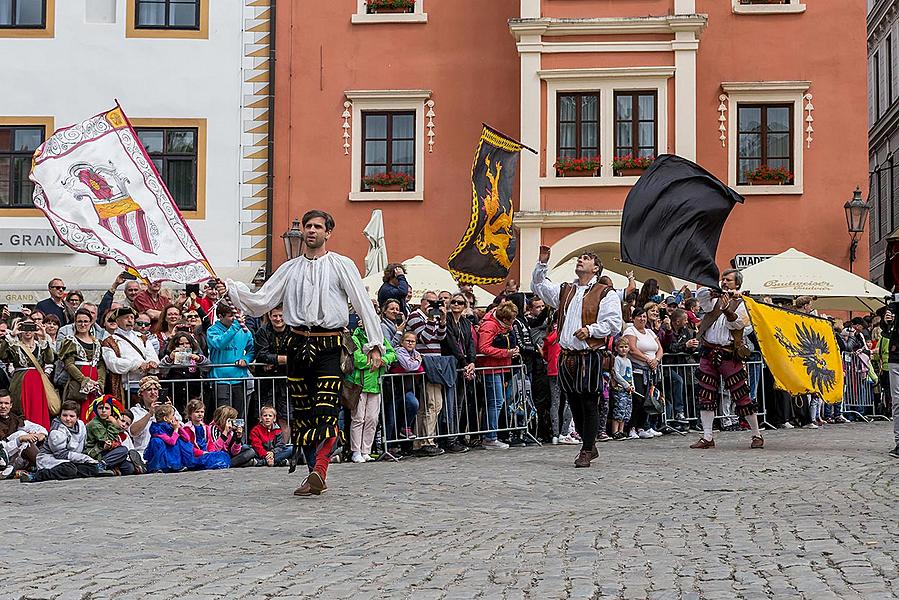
x: 28, y: 326
x: 182, y: 358
x: 237, y: 423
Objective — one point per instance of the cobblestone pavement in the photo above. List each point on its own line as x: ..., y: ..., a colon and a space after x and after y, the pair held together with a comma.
x: 813, y: 516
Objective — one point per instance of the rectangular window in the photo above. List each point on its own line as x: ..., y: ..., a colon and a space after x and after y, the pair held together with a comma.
x: 578, y: 123
x: 636, y: 124
x: 174, y: 153
x: 17, y: 145
x: 764, y: 1
x: 889, y: 82
x: 764, y: 137
x: 388, y: 144
x: 167, y: 14
x: 23, y: 14
x: 876, y: 85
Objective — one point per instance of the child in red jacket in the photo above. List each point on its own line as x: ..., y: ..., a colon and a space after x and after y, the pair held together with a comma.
x: 267, y: 441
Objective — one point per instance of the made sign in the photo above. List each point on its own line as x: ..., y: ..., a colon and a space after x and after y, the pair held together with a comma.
x: 741, y: 261
x: 37, y: 241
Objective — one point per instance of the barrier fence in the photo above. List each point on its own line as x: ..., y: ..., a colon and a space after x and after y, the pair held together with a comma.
x: 860, y: 395
x: 680, y: 388
x: 416, y: 411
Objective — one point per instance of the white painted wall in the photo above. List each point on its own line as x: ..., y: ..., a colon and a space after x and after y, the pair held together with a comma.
x: 86, y: 66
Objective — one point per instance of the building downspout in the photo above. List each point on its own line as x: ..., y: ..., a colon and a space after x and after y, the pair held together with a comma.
x: 270, y: 175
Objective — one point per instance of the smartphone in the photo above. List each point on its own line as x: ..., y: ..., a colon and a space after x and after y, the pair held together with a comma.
x: 128, y: 276
x: 192, y: 288
x: 237, y: 423
x: 28, y: 326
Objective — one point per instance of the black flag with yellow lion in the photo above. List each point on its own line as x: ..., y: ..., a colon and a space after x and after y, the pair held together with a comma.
x: 488, y: 247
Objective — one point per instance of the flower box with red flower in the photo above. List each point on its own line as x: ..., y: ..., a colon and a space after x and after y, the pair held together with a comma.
x: 388, y: 182
x: 630, y: 166
x: 386, y: 7
x: 765, y: 175
x: 587, y: 166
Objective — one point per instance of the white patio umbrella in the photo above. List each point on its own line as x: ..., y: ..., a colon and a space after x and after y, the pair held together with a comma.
x: 424, y: 275
x: 376, y: 258
x: 794, y: 273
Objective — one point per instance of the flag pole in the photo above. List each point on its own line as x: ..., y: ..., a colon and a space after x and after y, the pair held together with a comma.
x: 508, y: 137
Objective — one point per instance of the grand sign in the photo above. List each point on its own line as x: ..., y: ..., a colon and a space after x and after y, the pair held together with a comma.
x: 36, y: 241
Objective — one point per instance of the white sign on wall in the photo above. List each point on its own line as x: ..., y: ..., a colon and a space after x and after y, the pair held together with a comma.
x: 741, y: 261
x: 40, y: 241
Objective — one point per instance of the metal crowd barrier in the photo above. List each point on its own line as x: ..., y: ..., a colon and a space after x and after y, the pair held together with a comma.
x: 859, y: 397
x: 415, y: 411
x: 680, y: 388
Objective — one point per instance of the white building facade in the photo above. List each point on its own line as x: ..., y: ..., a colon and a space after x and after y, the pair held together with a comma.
x: 192, y: 75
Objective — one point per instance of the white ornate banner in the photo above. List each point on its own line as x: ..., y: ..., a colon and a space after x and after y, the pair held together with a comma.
x: 102, y: 195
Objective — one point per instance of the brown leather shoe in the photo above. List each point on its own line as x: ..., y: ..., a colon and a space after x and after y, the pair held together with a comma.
x: 582, y: 460
x: 316, y: 483
x: 303, y: 490
x: 702, y: 444
x: 594, y: 453
x: 757, y: 442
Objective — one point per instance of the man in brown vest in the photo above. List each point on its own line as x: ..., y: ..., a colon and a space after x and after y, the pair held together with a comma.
x: 588, y: 315
x: 721, y: 356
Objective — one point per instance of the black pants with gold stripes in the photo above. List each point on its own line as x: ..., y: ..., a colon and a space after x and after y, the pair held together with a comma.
x: 313, y: 386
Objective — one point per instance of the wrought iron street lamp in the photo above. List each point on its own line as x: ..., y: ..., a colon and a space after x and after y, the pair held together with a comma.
x: 293, y: 240
x: 856, y: 215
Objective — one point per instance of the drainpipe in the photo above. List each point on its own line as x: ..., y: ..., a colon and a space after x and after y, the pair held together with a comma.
x: 270, y: 175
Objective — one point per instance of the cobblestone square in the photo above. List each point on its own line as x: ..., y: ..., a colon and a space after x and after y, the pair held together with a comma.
x: 813, y: 516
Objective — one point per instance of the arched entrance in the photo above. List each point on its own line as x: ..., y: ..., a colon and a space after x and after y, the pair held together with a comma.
x: 604, y: 241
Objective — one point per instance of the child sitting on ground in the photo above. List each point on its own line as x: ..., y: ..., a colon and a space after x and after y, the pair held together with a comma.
x: 226, y: 433
x: 105, y: 437
x: 62, y: 455
x: 196, y: 454
x: 622, y: 390
x: 266, y: 440
x: 163, y: 454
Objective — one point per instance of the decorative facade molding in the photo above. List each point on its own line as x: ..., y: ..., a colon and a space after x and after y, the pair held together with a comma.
x: 791, y: 7
x: 566, y: 218
x: 362, y: 17
x: 430, y: 117
x: 808, y: 120
x: 256, y: 92
x: 346, y: 126
x: 722, y: 119
x: 608, y: 25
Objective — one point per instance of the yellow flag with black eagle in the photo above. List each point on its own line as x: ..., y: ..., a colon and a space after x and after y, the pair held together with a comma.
x: 800, y: 350
x: 488, y: 247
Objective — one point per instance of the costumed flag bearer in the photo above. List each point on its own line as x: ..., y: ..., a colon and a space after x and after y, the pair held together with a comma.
x: 314, y: 290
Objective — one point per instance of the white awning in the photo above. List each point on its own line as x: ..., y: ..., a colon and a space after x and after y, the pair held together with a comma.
x: 424, y: 275
x: 794, y: 273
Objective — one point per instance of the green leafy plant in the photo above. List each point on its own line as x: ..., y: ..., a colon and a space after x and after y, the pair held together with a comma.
x: 629, y: 161
x: 376, y: 5
x: 575, y: 165
x: 389, y: 178
x: 766, y: 173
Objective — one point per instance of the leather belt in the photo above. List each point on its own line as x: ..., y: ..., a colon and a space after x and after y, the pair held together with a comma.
x: 315, y: 331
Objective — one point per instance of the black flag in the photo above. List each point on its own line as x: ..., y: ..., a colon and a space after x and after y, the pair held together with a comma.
x: 673, y: 218
x: 488, y: 247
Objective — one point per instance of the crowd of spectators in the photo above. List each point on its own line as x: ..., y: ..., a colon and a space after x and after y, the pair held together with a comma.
x: 124, y: 386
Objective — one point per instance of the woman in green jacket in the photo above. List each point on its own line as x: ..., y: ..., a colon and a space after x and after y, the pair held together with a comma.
x: 365, y: 415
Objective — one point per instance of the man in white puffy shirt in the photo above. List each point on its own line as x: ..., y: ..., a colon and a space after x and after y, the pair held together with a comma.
x: 588, y: 316
x: 314, y: 290
x: 721, y: 356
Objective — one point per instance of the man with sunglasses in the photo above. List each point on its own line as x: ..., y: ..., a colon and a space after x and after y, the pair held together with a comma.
x: 55, y: 304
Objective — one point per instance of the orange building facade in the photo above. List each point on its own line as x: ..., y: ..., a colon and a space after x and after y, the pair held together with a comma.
x: 732, y: 84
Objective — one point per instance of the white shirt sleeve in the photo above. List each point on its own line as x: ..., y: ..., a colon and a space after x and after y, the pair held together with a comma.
x: 122, y: 365
x: 742, y: 321
x: 270, y: 295
x: 608, y: 319
x: 355, y: 291
x: 543, y: 287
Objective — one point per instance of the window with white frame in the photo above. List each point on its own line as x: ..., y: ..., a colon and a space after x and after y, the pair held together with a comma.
x: 765, y: 141
x: 389, y: 11
x: 756, y: 7
x: 604, y: 113
x: 387, y: 140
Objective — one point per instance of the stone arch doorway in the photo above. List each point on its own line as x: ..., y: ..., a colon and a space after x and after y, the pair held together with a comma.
x: 604, y: 241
